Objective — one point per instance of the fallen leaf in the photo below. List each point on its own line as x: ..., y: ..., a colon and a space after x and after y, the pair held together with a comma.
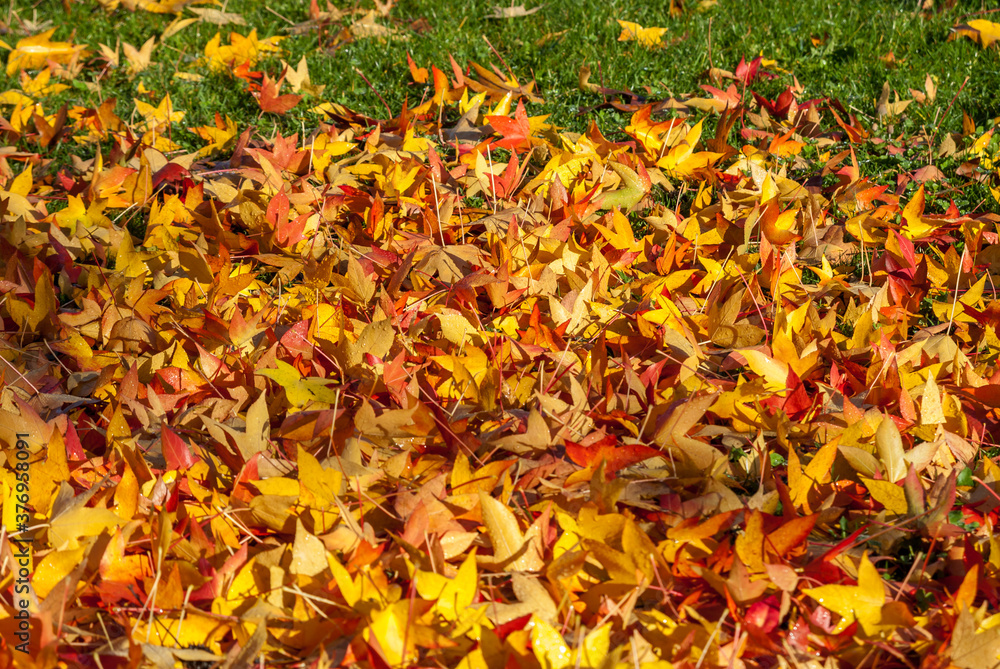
x: 647, y: 37
x: 512, y: 12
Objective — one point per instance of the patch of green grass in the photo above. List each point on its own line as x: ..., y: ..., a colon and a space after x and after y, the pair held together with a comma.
x: 809, y: 277
x: 640, y: 227
x: 833, y: 49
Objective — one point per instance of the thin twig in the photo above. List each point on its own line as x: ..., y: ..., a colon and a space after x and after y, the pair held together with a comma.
x: 979, y: 13
x: 497, y: 54
x: 954, y: 302
x: 283, y: 18
x: 362, y: 75
x: 960, y: 89
x: 704, y: 651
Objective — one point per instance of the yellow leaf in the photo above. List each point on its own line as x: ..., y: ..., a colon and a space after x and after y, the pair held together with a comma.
x: 392, y: 629
x: 682, y: 161
x: 54, y: 567
x: 13, y: 97
x: 453, y: 596
x: 366, y: 27
x: 862, y: 602
x: 549, y: 646
x: 621, y: 238
x: 39, y: 86
x: 176, y: 26
x: 563, y: 166
x: 349, y: 589
x: 633, y: 32
x: 552, y: 652
x: 889, y: 495
x: 127, y: 495
x: 889, y: 444
x: 308, y: 553
x: 972, y: 648
x: 324, y: 484
x: 986, y: 33
x: 915, y: 225
x: 750, y: 544
x: 861, y: 460
x: 138, y: 59
x: 217, y: 16
x: 246, y: 585
x: 298, y: 79
x: 70, y: 526
x: 633, y: 188
x: 240, y: 51
x: 773, y: 372
x: 22, y: 184
x: 44, y: 307
x: 506, y: 537
x: 301, y: 391
x: 219, y: 137
x: 931, y: 411
x: 33, y: 52
x: 161, y: 115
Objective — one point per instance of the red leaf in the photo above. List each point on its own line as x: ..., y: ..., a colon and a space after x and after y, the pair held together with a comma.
x: 615, y: 457
x: 505, y: 183
x: 277, y: 210
x: 511, y: 626
x: 747, y: 73
x: 173, y: 174
x: 779, y: 107
x: 292, y: 231
x: 176, y: 451
x: 764, y: 615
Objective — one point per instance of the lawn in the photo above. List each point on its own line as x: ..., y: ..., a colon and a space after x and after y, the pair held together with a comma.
x: 572, y: 335
x: 842, y: 50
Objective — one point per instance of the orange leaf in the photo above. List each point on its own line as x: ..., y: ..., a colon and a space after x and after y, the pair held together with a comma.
x: 269, y: 99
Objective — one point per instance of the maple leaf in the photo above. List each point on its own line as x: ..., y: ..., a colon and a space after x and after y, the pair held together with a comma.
x: 972, y: 648
x: 33, y: 52
x: 512, y: 12
x: 217, y: 16
x: 300, y: 390
x: 516, y: 133
x: 162, y: 114
x: 138, y: 59
x: 647, y: 37
x: 39, y: 86
x: 299, y: 79
x: 241, y: 51
x: 862, y: 602
x: 635, y: 185
x: 986, y: 33
x: 269, y: 99
x: 218, y: 137
x: 606, y: 449
x: 552, y: 652
x: 748, y: 73
x: 419, y: 74
x: 367, y: 27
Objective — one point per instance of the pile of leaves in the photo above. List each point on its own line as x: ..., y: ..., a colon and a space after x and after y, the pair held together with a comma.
x: 461, y: 388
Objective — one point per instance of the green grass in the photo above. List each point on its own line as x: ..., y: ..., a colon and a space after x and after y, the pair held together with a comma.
x: 833, y: 49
